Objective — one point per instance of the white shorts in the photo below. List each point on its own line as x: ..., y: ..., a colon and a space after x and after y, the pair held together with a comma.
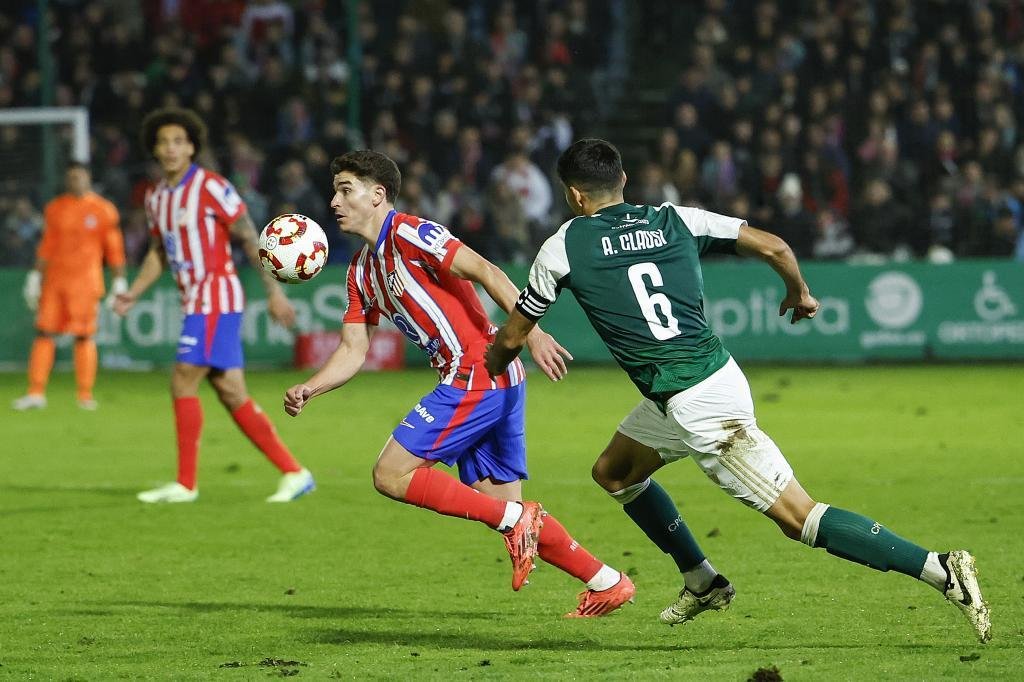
x: 713, y: 422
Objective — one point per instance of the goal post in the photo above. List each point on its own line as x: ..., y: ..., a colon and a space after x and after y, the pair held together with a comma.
x: 36, y: 142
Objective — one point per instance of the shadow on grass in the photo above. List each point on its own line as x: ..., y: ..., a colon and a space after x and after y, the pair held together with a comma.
x: 387, y: 630
x: 62, y: 503
x: 92, y: 489
x: 304, y: 611
x: 574, y: 641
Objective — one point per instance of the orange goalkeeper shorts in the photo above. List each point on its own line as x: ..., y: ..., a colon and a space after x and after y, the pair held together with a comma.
x: 67, y: 312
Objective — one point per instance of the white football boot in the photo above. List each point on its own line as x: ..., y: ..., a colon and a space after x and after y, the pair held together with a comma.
x: 689, y: 605
x: 293, y: 485
x: 171, y: 493
x: 962, y: 589
x: 88, y: 404
x: 29, y: 402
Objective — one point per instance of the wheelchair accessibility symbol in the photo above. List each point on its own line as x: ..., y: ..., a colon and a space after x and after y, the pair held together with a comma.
x: 991, y: 302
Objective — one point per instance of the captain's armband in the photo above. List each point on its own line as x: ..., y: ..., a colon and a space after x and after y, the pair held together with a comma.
x: 531, y: 304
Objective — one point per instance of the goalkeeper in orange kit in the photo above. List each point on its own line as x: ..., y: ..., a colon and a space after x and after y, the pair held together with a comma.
x: 80, y: 232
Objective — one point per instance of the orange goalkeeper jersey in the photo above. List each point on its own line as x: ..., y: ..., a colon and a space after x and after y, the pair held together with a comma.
x: 79, y: 233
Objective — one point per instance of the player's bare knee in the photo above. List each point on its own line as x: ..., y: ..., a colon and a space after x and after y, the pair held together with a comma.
x: 607, y: 475
x: 184, y: 381
x: 385, y: 481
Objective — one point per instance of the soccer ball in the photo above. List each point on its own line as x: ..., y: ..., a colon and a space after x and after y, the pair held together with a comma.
x: 293, y: 248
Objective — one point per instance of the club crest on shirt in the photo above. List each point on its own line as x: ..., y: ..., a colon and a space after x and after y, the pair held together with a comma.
x: 91, y: 222
x: 396, y: 285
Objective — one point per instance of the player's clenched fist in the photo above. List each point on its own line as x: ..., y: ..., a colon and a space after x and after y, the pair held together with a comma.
x: 295, y: 398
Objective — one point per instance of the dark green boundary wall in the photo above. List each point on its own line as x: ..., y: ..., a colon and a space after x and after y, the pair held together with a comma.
x: 914, y: 311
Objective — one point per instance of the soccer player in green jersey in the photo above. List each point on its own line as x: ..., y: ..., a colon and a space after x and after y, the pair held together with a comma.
x: 635, y: 271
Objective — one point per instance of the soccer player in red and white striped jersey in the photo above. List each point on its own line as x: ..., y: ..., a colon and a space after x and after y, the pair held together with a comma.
x: 193, y: 214
x: 417, y: 274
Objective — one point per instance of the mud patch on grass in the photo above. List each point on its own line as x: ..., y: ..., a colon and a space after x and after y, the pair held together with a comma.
x: 771, y: 674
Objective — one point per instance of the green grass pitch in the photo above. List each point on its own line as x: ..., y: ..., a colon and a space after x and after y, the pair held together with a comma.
x: 346, y: 584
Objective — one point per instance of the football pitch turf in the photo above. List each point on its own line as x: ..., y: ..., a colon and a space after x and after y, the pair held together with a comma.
x: 347, y: 584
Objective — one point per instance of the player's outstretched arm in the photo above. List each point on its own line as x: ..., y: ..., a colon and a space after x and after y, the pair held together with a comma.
x: 339, y: 368
x: 549, y: 355
x: 149, y: 272
x: 776, y: 252
x: 508, y: 343
x: 280, y: 308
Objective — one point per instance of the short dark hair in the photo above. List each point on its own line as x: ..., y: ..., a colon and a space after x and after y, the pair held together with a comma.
x: 367, y: 164
x: 591, y: 165
x: 79, y: 165
x: 186, y: 118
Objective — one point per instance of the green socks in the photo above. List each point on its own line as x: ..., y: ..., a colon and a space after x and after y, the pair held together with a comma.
x: 861, y: 540
x: 653, y: 510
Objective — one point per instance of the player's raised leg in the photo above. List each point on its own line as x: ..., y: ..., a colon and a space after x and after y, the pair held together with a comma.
x: 857, y: 538
x: 296, y: 481
x: 606, y: 588
x: 405, y: 477
x: 188, y: 426
x: 624, y: 470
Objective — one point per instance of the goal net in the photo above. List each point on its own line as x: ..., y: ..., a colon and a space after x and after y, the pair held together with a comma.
x: 36, y: 143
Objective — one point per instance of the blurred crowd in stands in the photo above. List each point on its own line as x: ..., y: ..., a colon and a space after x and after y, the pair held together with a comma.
x: 857, y: 129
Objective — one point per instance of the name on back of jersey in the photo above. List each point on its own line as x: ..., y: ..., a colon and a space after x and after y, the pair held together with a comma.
x: 637, y: 240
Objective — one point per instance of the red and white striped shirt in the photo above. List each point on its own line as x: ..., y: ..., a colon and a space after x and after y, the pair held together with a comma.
x: 192, y: 220
x: 406, y: 277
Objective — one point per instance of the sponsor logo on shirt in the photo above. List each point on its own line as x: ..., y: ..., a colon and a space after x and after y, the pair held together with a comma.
x: 433, y: 235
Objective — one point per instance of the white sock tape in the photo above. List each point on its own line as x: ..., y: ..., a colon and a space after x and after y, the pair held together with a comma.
x: 809, y: 533
x: 630, y: 493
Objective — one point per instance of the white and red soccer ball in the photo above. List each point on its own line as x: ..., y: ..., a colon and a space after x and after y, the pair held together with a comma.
x: 293, y: 248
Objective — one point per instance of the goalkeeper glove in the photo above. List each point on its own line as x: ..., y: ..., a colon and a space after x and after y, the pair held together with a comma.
x: 117, y: 287
x: 32, y: 289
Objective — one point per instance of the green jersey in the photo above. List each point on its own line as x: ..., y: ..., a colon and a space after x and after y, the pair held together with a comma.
x: 635, y: 271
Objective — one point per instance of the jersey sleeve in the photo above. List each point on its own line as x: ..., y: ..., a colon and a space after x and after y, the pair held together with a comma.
x: 226, y: 204
x: 361, y: 309
x: 547, y: 275
x: 430, y: 241
x: 113, y: 241
x: 714, y: 233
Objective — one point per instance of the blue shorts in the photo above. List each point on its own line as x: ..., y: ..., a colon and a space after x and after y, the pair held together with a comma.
x: 481, y: 432
x: 211, y: 340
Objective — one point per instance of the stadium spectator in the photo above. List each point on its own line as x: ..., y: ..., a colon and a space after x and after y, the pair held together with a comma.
x: 80, y: 233
x: 525, y: 181
x: 856, y: 85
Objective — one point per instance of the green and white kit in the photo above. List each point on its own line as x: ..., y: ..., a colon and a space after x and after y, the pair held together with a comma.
x: 635, y: 271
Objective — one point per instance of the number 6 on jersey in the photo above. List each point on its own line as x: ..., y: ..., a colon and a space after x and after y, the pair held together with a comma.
x: 651, y: 304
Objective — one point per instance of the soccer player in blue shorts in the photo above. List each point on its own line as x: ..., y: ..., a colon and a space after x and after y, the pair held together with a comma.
x: 193, y: 214
x: 418, y: 275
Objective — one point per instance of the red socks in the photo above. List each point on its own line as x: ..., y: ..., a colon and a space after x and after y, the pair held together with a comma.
x: 255, y: 424
x: 432, y: 489
x: 561, y: 551
x: 440, y: 492
x: 188, y: 422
